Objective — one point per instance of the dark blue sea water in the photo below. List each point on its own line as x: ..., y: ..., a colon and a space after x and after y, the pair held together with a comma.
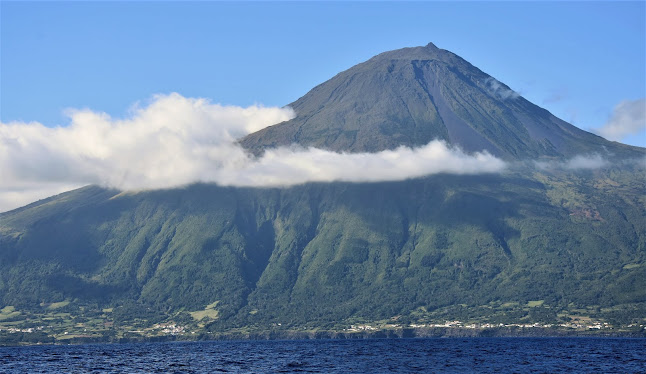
x: 483, y: 355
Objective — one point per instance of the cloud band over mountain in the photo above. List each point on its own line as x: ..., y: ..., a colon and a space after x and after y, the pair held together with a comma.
x: 175, y: 141
x: 628, y: 118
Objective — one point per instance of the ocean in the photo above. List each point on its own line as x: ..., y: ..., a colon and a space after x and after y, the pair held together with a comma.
x: 442, y: 355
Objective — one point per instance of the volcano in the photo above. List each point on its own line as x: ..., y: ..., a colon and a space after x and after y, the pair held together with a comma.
x: 540, y: 244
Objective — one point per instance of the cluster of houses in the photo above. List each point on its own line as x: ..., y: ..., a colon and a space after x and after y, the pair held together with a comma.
x: 459, y: 324
x: 170, y: 328
x: 13, y: 330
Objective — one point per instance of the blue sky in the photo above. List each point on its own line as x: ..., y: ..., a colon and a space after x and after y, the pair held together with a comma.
x: 577, y: 59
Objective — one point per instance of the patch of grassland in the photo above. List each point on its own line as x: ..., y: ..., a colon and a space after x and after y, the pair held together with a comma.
x: 202, y: 314
x: 8, y: 312
x: 58, y: 305
x: 212, y: 305
x: 209, y: 312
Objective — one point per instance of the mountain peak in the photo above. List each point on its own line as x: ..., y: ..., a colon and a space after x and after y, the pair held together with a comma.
x: 428, y: 52
x: 413, y: 95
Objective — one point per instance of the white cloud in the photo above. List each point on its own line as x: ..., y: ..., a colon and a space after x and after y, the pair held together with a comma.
x: 628, y: 118
x: 290, y: 166
x: 579, y: 162
x: 176, y: 141
x: 499, y: 90
x: 586, y: 162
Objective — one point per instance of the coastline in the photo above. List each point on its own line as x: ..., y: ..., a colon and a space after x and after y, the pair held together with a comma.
x: 7, y: 340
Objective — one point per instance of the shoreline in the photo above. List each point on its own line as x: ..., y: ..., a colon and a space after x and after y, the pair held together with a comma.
x: 269, y: 335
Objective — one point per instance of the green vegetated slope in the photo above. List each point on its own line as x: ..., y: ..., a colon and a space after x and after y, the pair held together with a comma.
x: 530, y: 245
x: 478, y: 248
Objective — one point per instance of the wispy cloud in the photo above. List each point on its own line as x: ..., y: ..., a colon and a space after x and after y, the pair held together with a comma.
x: 500, y: 90
x: 579, y: 162
x: 586, y: 162
x: 628, y: 118
x: 176, y: 141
